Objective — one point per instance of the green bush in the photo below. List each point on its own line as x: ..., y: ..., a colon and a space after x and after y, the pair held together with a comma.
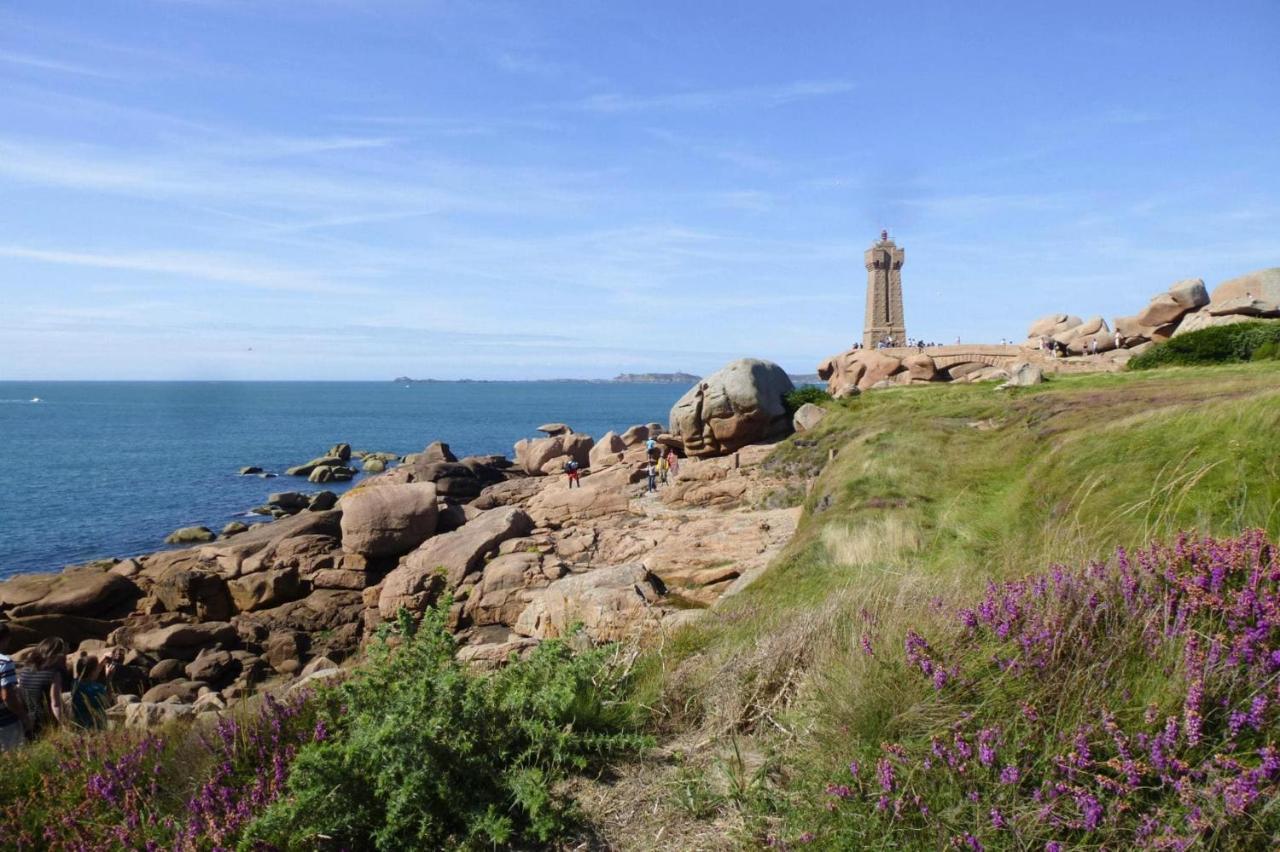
x: 805, y: 393
x: 428, y: 754
x: 1269, y: 351
x: 1214, y: 345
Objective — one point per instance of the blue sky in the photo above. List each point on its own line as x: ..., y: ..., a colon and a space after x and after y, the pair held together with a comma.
x: 357, y: 190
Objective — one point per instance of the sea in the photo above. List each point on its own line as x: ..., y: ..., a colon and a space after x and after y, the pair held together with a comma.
x: 108, y: 469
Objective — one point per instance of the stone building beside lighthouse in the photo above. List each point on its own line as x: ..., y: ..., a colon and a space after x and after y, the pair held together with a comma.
x: 884, y: 294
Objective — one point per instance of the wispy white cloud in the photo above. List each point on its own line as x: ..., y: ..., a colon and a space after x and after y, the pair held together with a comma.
x: 201, y: 266
x: 731, y: 153
x: 698, y: 99
x: 419, y: 184
x: 44, y: 64
x: 975, y: 204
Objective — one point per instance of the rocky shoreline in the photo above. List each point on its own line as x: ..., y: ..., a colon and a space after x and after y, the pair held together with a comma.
x: 520, y: 554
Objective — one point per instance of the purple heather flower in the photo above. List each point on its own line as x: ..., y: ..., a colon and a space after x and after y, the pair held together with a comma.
x: 884, y: 772
x: 1010, y: 775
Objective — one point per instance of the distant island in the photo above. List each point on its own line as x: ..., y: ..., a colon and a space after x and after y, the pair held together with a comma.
x: 657, y: 378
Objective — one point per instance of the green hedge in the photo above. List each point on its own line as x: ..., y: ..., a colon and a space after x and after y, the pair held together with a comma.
x: 805, y: 393
x: 1222, y: 344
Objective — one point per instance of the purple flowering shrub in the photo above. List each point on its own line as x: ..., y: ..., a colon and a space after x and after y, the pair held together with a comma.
x: 182, y: 788
x: 1132, y: 703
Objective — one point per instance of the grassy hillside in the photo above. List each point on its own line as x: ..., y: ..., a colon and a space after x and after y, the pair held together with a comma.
x: 933, y: 492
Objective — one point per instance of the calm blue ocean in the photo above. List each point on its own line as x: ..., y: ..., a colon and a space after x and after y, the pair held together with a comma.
x: 103, y: 469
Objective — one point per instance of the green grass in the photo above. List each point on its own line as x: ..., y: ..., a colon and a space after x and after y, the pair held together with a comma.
x: 934, y: 490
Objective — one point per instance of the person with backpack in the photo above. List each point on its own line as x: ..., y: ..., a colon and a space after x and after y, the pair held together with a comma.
x: 42, y: 684
x: 13, y: 711
x: 571, y: 470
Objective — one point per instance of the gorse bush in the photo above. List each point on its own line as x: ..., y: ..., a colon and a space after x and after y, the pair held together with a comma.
x: 1134, y: 703
x: 1214, y: 345
x: 428, y: 754
x: 806, y: 393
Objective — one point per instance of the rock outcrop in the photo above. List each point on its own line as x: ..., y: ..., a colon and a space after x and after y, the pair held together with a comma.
x: 541, y: 456
x: 852, y: 372
x: 807, y: 417
x: 738, y: 405
x: 608, y: 450
x: 1260, y: 286
x: 388, y: 521
x: 446, y: 560
x: 91, y: 592
x: 609, y: 603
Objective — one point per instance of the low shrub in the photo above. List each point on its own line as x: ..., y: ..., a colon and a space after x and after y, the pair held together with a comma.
x: 803, y: 394
x: 1126, y: 704
x: 428, y: 754
x: 1220, y: 344
x: 188, y: 787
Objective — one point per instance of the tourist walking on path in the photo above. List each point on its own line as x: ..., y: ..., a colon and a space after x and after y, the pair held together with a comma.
x: 663, y: 467
x: 42, y: 684
x: 13, y: 712
x: 673, y: 462
x: 88, y: 695
x: 652, y: 473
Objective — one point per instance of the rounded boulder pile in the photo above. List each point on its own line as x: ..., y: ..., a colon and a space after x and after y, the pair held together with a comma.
x: 740, y: 404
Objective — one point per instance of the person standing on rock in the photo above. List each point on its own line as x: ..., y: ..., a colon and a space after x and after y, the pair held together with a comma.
x: 1119, y: 340
x: 663, y: 467
x: 571, y: 470
x: 652, y: 473
x: 13, y: 712
x: 42, y: 683
x: 673, y: 462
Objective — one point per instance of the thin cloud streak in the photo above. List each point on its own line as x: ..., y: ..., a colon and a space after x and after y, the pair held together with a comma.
x: 197, y: 265
x: 28, y: 61
x: 765, y: 97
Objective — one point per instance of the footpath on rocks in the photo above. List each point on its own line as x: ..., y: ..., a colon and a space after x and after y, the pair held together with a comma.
x: 521, y: 555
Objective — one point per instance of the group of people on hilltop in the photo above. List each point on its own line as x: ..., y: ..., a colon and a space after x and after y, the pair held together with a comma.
x: 918, y: 343
x: 43, y: 693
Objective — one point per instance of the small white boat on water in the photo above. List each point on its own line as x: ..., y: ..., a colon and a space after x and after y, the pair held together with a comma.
x: 36, y: 399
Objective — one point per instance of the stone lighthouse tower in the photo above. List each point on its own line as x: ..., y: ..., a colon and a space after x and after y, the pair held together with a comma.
x: 884, y: 294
